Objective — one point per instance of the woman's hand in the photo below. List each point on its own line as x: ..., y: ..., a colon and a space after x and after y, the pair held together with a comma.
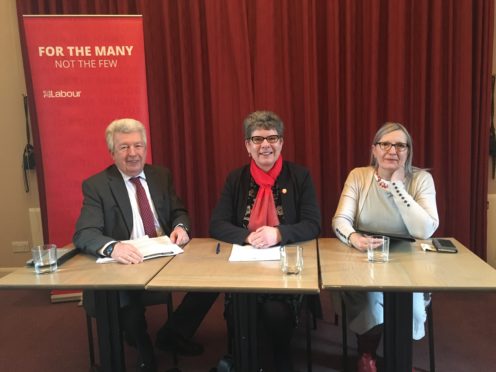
x: 362, y: 242
x: 359, y: 241
x: 399, y: 174
x: 264, y: 237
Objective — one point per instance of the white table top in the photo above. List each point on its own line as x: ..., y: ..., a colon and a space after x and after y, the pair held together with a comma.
x: 199, y: 268
x: 409, y: 269
x: 82, y: 272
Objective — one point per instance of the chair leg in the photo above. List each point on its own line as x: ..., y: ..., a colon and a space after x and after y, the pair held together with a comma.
x: 314, y: 321
x: 91, y: 346
x: 344, y: 330
x: 430, y: 326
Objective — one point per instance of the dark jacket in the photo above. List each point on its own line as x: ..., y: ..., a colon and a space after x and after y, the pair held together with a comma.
x: 106, y: 214
x: 299, y: 203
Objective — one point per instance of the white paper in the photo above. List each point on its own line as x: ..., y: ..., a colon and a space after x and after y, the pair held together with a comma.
x: 250, y: 253
x: 428, y: 247
x: 150, y: 247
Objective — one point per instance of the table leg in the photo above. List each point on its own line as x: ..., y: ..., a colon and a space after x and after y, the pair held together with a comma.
x: 245, y: 332
x: 308, y: 332
x: 109, y: 334
x: 398, y: 331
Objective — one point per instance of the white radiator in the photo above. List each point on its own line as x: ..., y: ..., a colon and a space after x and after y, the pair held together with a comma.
x: 36, y: 226
x: 491, y: 230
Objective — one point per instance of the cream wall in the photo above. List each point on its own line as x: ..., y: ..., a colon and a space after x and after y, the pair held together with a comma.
x: 14, y: 202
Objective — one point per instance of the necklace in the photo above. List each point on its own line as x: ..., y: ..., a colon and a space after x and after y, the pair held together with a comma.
x: 383, y: 184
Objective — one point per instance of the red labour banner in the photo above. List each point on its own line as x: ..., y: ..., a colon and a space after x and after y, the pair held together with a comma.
x: 85, y: 72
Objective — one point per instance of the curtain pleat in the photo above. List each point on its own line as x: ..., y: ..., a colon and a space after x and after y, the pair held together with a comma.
x: 334, y: 71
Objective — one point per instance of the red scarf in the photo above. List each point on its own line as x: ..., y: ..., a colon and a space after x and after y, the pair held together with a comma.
x: 264, y: 211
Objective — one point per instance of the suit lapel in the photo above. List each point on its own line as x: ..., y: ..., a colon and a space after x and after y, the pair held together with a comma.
x: 156, y: 188
x: 119, y: 190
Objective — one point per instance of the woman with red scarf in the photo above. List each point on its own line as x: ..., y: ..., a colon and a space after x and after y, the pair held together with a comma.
x: 265, y: 203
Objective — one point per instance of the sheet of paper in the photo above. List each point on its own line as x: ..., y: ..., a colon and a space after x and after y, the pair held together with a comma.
x: 250, y: 253
x: 428, y: 247
x: 150, y: 247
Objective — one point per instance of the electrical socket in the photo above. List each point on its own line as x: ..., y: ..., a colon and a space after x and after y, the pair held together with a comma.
x: 20, y: 246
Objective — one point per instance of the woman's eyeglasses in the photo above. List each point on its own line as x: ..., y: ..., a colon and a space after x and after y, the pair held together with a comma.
x: 257, y: 140
x: 386, y: 146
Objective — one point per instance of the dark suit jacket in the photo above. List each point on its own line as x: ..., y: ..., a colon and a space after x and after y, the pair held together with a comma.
x: 299, y: 203
x: 106, y: 214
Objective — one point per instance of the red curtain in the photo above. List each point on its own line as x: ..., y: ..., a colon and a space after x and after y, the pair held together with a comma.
x: 334, y: 71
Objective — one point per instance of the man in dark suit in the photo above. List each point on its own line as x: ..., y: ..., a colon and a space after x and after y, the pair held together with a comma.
x: 112, y: 211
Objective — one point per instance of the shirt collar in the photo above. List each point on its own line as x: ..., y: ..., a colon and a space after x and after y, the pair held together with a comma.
x: 127, y: 178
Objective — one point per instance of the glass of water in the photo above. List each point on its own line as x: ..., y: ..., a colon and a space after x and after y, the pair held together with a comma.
x: 44, y: 258
x: 291, y: 259
x: 378, y: 248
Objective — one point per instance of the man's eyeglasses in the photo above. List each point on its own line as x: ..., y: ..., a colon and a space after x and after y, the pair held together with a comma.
x: 257, y: 140
x: 386, y: 146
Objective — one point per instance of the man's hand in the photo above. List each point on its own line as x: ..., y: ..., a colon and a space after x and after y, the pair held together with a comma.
x: 179, y: 236
x: 264, y: 237
x: 126, y: 254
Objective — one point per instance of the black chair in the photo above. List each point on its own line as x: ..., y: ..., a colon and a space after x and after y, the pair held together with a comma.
x: 430, y: 332
x: 150, y: 298
x: 313, y: 311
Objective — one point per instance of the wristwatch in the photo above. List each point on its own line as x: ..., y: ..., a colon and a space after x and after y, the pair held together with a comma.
x: 348, y: 241
x: 107, y: 252
x: 182, y: 226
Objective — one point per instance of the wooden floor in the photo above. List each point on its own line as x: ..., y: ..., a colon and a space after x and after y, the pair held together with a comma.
x: 39, y: 336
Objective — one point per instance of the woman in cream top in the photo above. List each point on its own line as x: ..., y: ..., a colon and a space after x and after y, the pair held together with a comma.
x: 389, y: 196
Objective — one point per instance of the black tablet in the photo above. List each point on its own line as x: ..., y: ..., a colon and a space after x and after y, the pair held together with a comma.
x: 392, y: 236
x: 63, y: 254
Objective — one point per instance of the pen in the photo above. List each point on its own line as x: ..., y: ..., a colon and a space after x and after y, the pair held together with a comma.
x: 217, y: 249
